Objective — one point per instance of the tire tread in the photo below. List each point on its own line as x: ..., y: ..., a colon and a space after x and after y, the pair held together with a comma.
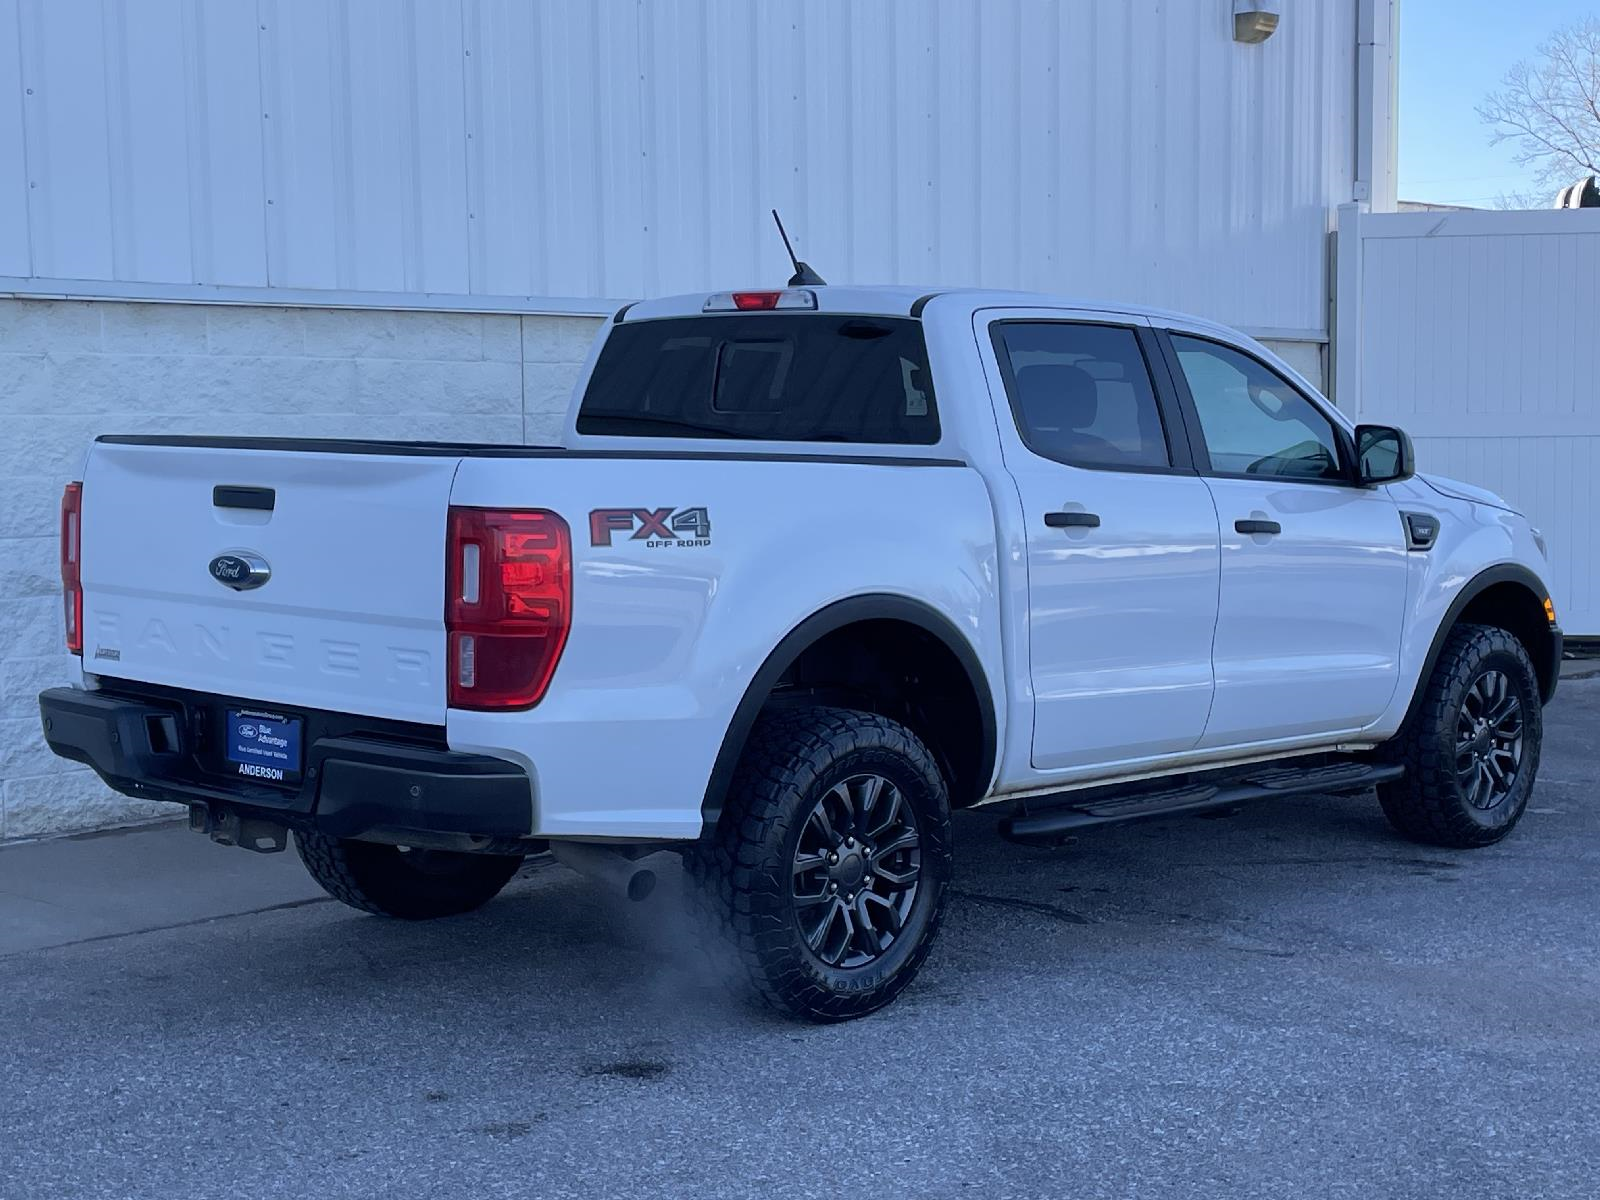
x: 1426, y: 805
x: 377, y: 886
x: 733, y: 891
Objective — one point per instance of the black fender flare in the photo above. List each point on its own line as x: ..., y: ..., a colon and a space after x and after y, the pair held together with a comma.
x: 1471, y: 590
x: 853, y: 609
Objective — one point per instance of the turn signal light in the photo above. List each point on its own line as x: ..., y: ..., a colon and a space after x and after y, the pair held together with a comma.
x: 508, y: 605
x: 72, y: 564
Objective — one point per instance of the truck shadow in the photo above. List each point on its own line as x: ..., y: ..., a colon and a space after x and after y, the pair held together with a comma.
x: 563, y: 988
x: 556, y: 949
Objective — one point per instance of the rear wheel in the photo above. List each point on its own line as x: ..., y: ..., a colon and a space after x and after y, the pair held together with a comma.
x: 1472, y: 748
x: 828, y: 871
x: 404, y: 881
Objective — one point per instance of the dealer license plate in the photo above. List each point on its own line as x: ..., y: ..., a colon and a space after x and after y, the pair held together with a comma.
x: 264, y: 745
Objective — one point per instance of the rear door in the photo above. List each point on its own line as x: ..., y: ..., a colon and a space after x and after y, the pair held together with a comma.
x: 1313, y: 566
x: 342, y: 555
x: 1121, y: 537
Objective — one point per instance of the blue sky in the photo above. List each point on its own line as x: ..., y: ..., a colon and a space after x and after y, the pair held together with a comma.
x: 1453, y: 52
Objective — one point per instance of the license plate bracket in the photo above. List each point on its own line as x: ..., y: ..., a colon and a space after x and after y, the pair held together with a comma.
x: 269, y: 746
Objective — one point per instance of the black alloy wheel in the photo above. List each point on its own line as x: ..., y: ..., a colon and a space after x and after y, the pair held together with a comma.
x: 1489, y: 740
x: 855, y: 871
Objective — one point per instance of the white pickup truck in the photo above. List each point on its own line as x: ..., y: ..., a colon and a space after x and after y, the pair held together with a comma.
x: 810, y: 569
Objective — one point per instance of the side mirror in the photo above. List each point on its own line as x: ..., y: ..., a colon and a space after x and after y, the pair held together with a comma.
x: 1383, y: 454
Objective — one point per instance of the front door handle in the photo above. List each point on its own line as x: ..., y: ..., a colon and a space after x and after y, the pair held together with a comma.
x: 1258, y: 527
x: 1069, y: 520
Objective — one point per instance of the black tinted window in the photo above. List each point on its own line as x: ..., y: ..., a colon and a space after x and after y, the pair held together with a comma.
x: 1082, y: 394
x: 815, y: 378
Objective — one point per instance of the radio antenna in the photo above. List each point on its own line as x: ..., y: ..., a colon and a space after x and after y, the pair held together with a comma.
x: 803, y: 276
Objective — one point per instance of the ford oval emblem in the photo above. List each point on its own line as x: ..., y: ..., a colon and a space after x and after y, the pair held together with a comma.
x: 240, y: 570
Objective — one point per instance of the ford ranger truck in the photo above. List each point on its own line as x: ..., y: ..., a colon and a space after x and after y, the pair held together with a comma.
x: 810, y: 569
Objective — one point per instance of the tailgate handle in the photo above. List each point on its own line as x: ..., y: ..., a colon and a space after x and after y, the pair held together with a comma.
x: 229, y: 495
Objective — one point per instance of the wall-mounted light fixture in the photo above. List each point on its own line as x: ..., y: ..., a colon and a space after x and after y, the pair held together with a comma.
x: 1254, y: 20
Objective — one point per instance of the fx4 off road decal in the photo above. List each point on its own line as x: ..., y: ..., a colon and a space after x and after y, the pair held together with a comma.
x: 652, y: 526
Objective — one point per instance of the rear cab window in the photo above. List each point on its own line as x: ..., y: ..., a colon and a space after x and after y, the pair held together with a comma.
x: 813, y: 377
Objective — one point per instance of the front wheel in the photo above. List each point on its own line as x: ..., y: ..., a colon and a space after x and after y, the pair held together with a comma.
x: 1471, y: 750
x: 409, y: 882
x: 829, y: 869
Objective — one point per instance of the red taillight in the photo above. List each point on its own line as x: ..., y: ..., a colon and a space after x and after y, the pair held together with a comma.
x: 749, y: 301
x: 72, y: 564
x: 508, y: 605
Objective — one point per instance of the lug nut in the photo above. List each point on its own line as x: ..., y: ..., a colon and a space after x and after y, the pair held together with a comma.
x: 833, y: 860
x: 833, y: 887
x: 849, y: 842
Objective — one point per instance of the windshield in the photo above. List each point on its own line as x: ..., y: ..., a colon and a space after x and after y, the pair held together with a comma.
x: 810, y: 378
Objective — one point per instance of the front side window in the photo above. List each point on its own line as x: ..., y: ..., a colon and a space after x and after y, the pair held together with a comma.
x: 811, y: 378
x: 1254, y: 421
x: 1081, y: 394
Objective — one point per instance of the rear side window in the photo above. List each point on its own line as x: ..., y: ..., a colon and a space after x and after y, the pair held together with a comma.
x: 1081, y: 394
x: 811, y: 378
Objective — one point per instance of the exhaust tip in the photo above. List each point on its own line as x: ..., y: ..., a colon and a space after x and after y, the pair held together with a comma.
x: 609, y: 865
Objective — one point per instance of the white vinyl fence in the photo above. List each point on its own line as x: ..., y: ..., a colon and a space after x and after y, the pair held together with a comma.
x: 1479, y: 334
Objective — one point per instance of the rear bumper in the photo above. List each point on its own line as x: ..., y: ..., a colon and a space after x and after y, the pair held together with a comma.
x: 154, y: 748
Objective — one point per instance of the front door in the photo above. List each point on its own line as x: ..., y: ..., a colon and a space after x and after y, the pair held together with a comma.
x: 1121, y: 541
x: 1314, y: 574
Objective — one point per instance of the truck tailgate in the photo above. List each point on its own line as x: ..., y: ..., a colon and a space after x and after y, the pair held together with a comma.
x: 351, y: 618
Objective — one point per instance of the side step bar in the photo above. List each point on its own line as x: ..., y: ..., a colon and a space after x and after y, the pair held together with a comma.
x: 1068, y: 816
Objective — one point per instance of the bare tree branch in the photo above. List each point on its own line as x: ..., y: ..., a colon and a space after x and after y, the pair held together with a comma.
x: 1550, y: 109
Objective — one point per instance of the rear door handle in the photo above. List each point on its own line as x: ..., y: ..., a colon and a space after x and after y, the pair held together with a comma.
x: 1069, y: 520
x: 1258, y: 527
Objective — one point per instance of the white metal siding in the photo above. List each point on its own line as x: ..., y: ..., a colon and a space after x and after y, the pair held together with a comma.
x: 571, y: 154
x: 1475, y: 332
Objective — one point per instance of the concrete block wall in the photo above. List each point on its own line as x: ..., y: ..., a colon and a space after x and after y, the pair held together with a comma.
x: 70, y: 370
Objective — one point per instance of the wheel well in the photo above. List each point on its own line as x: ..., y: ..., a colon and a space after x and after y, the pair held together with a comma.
x: 1513, y: 607
x: 904, y: 672
x: 885, y: 654
x: 1509, y: 597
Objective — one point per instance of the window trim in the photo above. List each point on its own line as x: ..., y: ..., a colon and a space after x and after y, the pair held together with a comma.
x: 1197, y: 437
x: 1178, y: 449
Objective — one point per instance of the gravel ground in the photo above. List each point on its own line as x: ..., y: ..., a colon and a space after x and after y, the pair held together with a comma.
x: 1287, y: 1001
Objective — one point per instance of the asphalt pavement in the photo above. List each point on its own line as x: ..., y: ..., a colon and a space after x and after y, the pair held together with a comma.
x: 1284, y: 1002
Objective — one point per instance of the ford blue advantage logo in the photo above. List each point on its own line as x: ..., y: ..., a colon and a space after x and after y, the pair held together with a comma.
x: 240, y: 570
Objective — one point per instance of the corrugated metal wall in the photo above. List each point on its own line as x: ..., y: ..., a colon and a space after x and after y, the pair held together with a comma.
x: 560, y: 154
x: 1475, y: 332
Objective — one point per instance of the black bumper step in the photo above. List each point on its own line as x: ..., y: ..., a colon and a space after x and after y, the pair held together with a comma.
x: 151, y: 748
x: 1054, y: 816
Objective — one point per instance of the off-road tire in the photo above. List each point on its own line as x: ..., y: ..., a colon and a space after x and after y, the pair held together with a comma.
x: 414, y: 885
x: 741, y: 876
x: 1428, y: 804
